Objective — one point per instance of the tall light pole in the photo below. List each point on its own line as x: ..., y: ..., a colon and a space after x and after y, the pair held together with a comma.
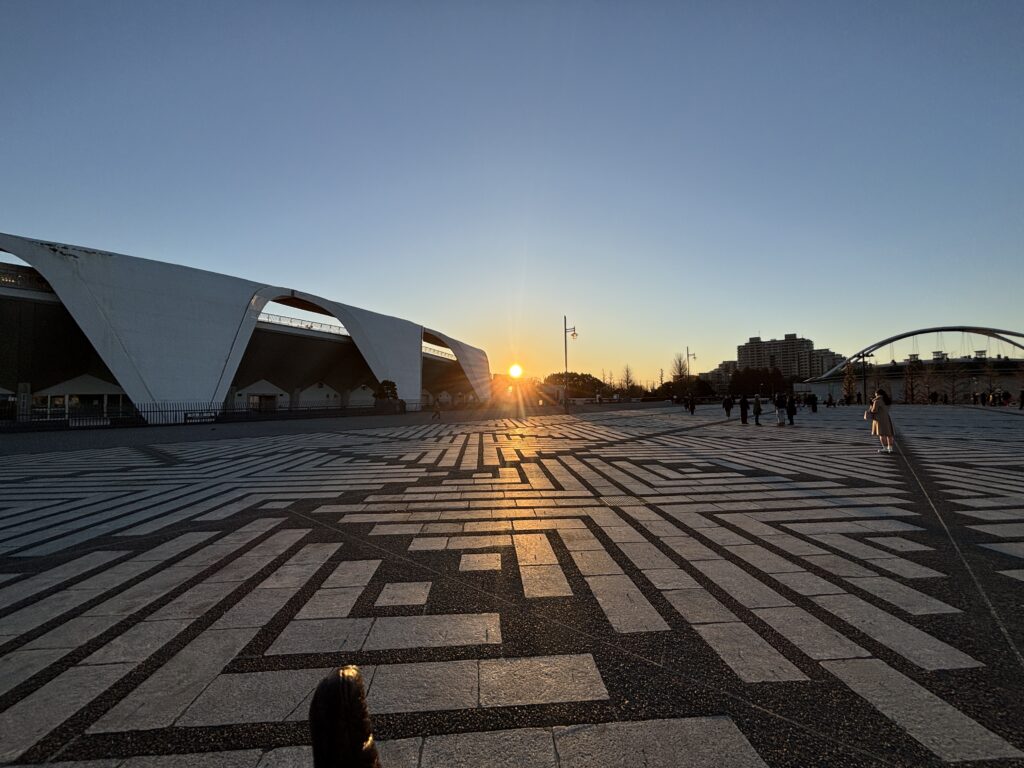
x: 688, y: 356
x: 566, y: 330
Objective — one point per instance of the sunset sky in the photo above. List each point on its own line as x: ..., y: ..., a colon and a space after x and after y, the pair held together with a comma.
x: 665, y: 174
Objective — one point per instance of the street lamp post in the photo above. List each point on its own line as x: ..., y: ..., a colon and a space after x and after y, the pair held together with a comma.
x: 688, y: 356
x: 566, y: 330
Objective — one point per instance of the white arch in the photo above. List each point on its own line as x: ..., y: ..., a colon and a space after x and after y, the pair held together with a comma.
x: 169, y: 332
x: 474, y: 364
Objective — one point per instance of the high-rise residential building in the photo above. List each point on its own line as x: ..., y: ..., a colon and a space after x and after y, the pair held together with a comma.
x: 719, y: 378
x: 794, y: 356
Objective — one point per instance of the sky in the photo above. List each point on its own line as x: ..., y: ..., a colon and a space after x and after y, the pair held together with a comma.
x: 665, y: 174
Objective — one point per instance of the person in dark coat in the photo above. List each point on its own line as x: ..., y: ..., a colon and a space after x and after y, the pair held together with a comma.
x: 744, y: 407
x: 692, y: 403
x: 813, y: 398
x: 727, y: 404
x: 757, y: 410
x: 790, y: 407
x: 780, y: 409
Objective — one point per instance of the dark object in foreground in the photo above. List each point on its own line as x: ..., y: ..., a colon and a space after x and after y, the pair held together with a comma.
x: 339, y: 722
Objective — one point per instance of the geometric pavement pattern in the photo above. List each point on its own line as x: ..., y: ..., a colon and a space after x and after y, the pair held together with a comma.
x: 640, y: 587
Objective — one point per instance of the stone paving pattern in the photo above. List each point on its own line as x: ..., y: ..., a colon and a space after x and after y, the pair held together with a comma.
x: 618, y: 588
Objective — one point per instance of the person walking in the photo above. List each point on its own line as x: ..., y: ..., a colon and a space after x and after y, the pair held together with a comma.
x: 790, y: 407
x: 881, y: 423
x: 757, y: 410
x: 437, y: 410
x: 727, y: 404
x: 692, y: 404
x: 780, y: 409
x: 744, y: 407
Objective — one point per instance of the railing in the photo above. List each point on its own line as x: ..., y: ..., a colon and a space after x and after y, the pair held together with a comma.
x: 339, y: 330
x: 152, y: 414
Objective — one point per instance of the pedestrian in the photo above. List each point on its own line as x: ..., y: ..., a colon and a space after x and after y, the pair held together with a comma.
x: 692, y: 403
x: 881, y: 422
x: 437, y: 410
x: 814, y: 402
x: 339, y: 722
x: 1020, y: 403
x: 727, y: 404
x: 757, y: 410
x: 780, y: 409
x: 744, y: 407
x: 791, y: 407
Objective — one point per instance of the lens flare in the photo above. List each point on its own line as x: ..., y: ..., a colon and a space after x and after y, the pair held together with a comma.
x: 515, y: 371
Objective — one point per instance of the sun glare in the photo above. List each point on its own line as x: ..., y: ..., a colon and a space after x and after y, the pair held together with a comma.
x: 515, y: 371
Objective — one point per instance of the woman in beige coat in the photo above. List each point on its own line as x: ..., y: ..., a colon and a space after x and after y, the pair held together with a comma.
x: 881, y: 423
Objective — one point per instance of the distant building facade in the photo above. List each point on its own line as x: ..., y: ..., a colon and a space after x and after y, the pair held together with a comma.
x: 720, y: 377
x: 793, y: 355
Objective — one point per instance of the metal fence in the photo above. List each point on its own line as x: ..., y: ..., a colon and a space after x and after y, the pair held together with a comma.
x: 152, y: 414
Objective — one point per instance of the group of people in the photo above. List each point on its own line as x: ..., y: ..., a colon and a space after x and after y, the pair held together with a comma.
x: 785, y: 408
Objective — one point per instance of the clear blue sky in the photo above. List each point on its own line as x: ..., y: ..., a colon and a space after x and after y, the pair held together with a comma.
x: 667, y: 174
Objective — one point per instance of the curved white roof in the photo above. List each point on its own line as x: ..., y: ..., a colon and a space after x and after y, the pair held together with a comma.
x: 169, y: 332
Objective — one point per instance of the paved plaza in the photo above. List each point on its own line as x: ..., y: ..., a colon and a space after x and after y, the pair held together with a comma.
x: 621, y: 588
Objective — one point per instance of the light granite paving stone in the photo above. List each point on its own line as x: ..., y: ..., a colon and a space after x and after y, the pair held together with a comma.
x: 196, y: 601
x: 255, y: 609
x: 793, y: 545
x: 534, y: 549
x: 906, y: 569
x: 321, y: 636
x: 30, y: 719
x: 625, y: 605
x: 486, y: 561
x: 241, y: 758
x: 18, y: 666
x: 442, y: 528
x: 436, y: 631
x: 595, y: 562
x: 690, y: 549
x: 898, y: 544
x: 540, y: 680
x: 544, y: 581
x: 671, y: 578
x: 1013, y: 574
x: 33, y: 585
x: 915, y: 645
x: 748, y: 654
x: 254, y: 697
x: 288, y: 757
x: 622, y: 534
x: 73, y: 632
x: 576, y: 539
x: 764, y: 560
x: 139, y: 642
x: 808, y: 584
x: 741, y: 586
x: 424, y: 687
x: 646, y: 556
x: 330, y: 603
x: 1002, y: 530
x: 165, y: 694
x: 703, y: 742
x: 838, y: 566
x: 1014, y: 549
x: 940, y: 727
x: 809, y: 634
x: 351, y: 573
x: 397, y: 753
x: 903, y: 597
x: 404, y: 593
x: 698, y: 606
x: 520, y: 748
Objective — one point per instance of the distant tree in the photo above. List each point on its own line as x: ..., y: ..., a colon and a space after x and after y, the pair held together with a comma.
x: 577, y: 384
x: 628, y: 382
x: 849, y: 382
x: 679, y: 370
x: 914, y: 390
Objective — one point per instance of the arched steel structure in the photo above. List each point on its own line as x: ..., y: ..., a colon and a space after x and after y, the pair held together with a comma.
x: 994, y: 333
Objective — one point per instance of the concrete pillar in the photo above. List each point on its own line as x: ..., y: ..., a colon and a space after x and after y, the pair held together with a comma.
x: 24, y: 401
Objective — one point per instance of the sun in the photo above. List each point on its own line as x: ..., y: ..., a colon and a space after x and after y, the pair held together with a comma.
x: 515, y: 371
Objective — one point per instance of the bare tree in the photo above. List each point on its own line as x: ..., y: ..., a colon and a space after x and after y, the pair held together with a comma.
x: 680, y: 370
x: 627, y: 378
